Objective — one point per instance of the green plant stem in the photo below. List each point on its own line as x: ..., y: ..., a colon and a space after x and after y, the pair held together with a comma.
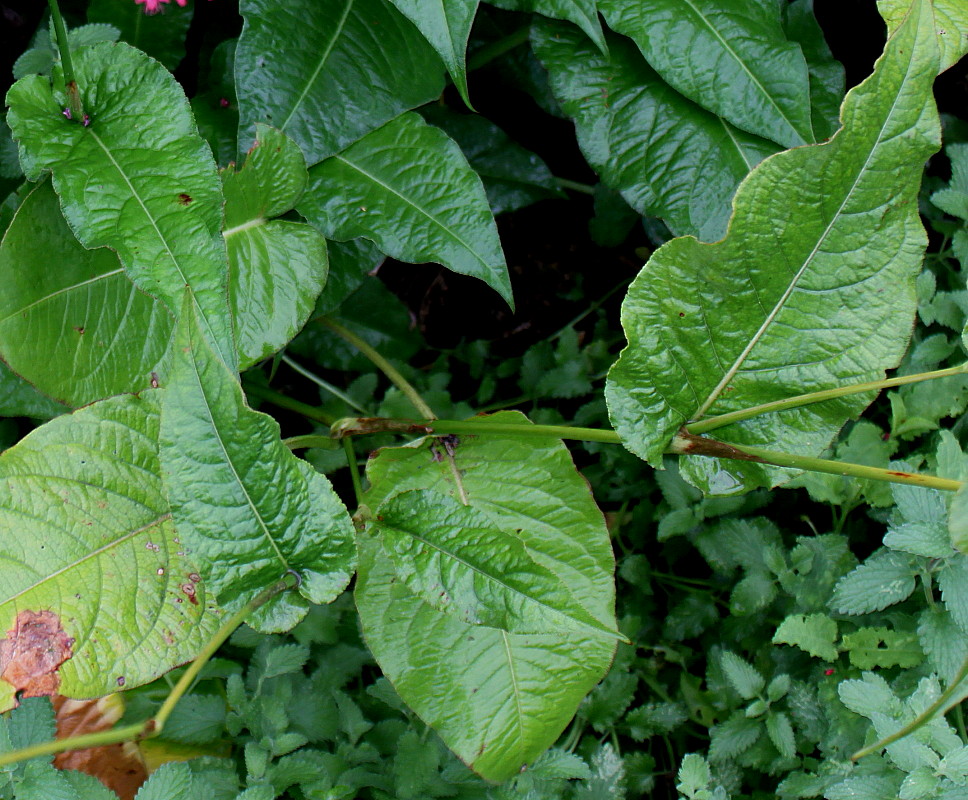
x: 496, y: 49
x: 942, y: 705
x: 711, y: 423
x: 354, y: 471
x: 281, y: 400
x: 383, y: 365
x: 73, y: 93
x: 309, y: 440
x: 324, y: 385
x: 154, y: 726
x: 575, y: 186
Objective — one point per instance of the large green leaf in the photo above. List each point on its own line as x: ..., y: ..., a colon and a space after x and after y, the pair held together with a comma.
x: 497, y: 699
x: 91, y: 566
x: 950, y: 25
x: 278, y: 267
x: 813, y: 287
x: 138, y: 179
x: 729, y: 56
x: 583, y: 13
x: 161, y: 36
x: 19, y: 399
x: 408, y: 188
x: 327, y: 72
x: 71, y: 322
x: 250, y: 509
x: 667, y: 156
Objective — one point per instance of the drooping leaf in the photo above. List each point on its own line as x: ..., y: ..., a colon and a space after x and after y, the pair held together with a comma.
x: 668, y: 157
x: 446, y: 24
x: 278, y: 267
x: 408, y: 188
x: 71, y: 322
x: 138, y: 179
x: 96, y: 591
x: 583, y: 13
x: 328, y: 72
x: 729, y: 56
x: 240, y: 499
x: 161, y: 36
x: 497, y: 699
x: 950, y: 25
x: 813, y: 286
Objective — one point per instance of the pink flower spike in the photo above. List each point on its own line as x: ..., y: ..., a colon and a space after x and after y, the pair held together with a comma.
x: 154, y: 6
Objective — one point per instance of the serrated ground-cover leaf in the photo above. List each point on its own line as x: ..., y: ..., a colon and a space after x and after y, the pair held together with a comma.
x: 71, y: 322
x: 408, y: 188
x: 813, y: 633
x: 667, y: 156
x: 250, y: 509
x: 277, y: 267
x: 729, y: 56
x: 496, y: 698
x: 85, y: 536
x: 813, y: 286
x: 328, y: 72
x: 138, y: 179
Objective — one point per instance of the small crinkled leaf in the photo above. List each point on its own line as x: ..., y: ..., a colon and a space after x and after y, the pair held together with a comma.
x: 457, y: 560
x: 780, y: 731
x: 958, y: 521
x: 240, y: 499
x: 277, y: 267
x: 869, y: 696
x: 90, y: 551
x: 951, y: 26
x: 71, y: 322
x: 583, y: 13
x: 813, y: 286
x: 812, y: 633
x: 161, y: 36
x: 943, y: 642
x: 734, y: 736
x: 867, y: 787
x: 668, y: 157
x: 953, y: 582
x: 882, y: 580
x: 328, y: 72
x: 497, y: 699
x: 882, y: 647
x: 742, y: 675
x: 172, y: 781
x: 408, y: 188
x: 138, y: 179
x: 729, y: 56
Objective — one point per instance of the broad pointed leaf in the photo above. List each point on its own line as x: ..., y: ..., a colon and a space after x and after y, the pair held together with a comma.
x: 729, y: 56
x: 71, y: 322
x: 327, y: 72
x: 278, y: 267
x: 813, y: 287
x: 161, y: 36
x: 93, y: 574
x: 138, y: 179
x: 250, y: 509
x: 583, y: 13
x: 456, y: 559
x: 950, y: 25
x: 668, y: 157
x: 408, y: 188
x: 446, y: 24
x: 497, y: 699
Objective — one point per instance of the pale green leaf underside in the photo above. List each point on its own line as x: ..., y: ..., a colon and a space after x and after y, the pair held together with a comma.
x: 327, y: 72
x: 729, y: 56
x: 497, y: 699
x: 71, y: 322
x: 812, y: 287
x: 85, y: 533
x: 669, y: 157
x: 243, y: 502
x: 139, y: 179
x: 950, y: 25
x: 408, y: 188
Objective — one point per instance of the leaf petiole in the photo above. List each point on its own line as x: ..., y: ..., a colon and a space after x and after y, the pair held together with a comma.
x: 73, y: 93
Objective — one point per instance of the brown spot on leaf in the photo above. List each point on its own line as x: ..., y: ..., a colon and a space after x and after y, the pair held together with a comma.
x: 79, y: 329
x: 188, y: 589
x: 32, y: 652
x: 184, y: 199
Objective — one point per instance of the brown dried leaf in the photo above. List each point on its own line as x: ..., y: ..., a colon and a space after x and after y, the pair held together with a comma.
x: 32, y: 652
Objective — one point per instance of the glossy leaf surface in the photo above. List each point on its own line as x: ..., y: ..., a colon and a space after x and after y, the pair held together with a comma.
x: 583, y: 13
x: 408, y: 188
x: 249, y: 508
x: 277, y: 267
x: 85, y: 536
x: 338, y: 70
x: 496, y: 698
x: 812, y: 288
x: 729, y: 56
x: 667, y: 156
x: 139, y: 179
x: 71, y: 322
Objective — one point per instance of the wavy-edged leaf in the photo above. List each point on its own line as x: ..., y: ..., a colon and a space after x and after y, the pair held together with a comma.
x: 328, y: 72
x: 729, y: 56
x: 161, y: 36
x: 950, y: 25
x: 278, y: 267
x: 408, y: 188
x: 139, y: 179
x: 667, y: 156
x: 71, y: 322
x: 457, y: 560
x: 446, y: 24
x: 583, y: 13
x: 90, y: 558
x: 813, y: 287
x: 240, y: 499
x: 497, y: 699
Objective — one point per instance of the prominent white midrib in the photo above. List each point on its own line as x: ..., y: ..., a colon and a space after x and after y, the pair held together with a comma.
x: 807, y: 262
x: 245, y: 226
x: 71, y: 288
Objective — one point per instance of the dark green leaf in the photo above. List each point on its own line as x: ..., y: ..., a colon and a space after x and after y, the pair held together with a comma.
x: 583, y: 13
x: 161, y: 36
